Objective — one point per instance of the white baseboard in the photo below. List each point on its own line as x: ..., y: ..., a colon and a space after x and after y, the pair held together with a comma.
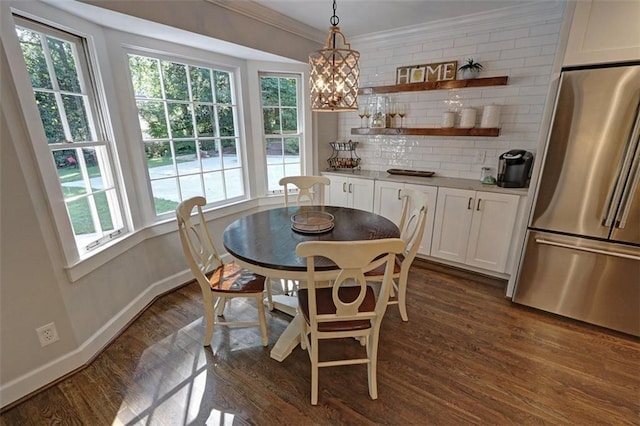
x: 45, y: 374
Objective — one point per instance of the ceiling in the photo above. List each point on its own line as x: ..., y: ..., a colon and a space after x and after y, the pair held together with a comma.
x: 360, y: 17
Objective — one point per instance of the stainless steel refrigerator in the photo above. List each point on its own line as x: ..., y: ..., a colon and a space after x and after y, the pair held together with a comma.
x: 582, y: 253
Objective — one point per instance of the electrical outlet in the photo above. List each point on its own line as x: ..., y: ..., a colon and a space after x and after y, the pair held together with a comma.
x: 480, y: 156
x: 47, y: 334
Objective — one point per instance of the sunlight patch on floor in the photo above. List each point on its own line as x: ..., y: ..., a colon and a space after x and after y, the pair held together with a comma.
x: 175, y: 392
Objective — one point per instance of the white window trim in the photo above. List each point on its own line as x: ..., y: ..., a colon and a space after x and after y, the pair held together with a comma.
x: 299, y: 118
x: 238, y: 119
x: 47, y: 173
x: 255, y: 68
x: 107, y: 51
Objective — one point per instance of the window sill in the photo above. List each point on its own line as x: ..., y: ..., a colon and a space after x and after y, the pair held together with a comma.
x: 122, y: 245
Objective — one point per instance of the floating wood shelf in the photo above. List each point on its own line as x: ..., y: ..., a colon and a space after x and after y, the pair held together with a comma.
x: 435, y: 85
x: 436, y: 131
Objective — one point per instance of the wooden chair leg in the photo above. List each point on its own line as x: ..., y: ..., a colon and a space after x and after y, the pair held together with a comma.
x: 267, y: 287
x: 314, y: 370
x: 372, y: 350
x: 402, y: 298
x: 263, y: 320
x: 221, y: 303
x: 304, y: 333
x: 209, y: 320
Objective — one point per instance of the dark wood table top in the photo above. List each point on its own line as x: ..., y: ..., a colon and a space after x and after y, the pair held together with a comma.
x: 266, y: 239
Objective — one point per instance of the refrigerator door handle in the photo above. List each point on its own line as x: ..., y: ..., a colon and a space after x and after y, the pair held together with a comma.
x: 631, y: 188
x: 587, y: 249
x: 619, y: 191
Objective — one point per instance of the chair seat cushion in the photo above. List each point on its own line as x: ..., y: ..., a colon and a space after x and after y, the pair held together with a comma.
x: 379, y: 271
x: 232, y: 278
x: 325, y: 305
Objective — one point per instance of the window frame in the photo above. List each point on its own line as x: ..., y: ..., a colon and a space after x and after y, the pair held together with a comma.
x: 301, y: 134
x: 107, y: 52
x: 165, y: 54
x: 102, y: 132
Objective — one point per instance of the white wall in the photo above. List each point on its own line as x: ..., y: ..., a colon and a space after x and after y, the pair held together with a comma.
x: 212, y: 20
x: 520, y: 43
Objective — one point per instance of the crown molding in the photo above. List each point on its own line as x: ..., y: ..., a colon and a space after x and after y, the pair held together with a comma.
x: 270, y: 17
x: 438, y: 29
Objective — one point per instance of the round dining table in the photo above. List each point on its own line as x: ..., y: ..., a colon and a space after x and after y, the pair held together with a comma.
x: 265, y: 242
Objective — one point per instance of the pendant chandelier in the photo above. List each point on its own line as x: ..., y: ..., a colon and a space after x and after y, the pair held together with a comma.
x: 334, y: 73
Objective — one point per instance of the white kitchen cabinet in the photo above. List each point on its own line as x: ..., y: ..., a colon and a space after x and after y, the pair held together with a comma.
x: 474, y: 227
x: 603, y: 31
x: 350, y: 192
x: 387, y: 202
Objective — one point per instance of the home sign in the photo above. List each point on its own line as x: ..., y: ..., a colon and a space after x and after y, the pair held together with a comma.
x: 439, y: 71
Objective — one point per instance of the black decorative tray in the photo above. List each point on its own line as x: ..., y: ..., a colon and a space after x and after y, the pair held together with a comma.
x: 405, y: 172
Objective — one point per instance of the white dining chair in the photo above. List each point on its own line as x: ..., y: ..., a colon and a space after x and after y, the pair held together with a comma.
x: 348, y: 308
x: 218, y: 281
x: 412, y: 225
x: 311, y: 191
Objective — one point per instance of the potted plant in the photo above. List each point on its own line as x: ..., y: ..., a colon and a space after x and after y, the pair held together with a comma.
x: 471, y: 69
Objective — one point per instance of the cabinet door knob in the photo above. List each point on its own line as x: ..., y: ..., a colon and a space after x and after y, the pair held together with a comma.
x: 470, y: 203
x: 344, y: 186
x: 399, y: 194
x: 350, y: 185
x: 478, y: 206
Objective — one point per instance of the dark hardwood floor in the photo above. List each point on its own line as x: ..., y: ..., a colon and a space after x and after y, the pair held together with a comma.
x: 466, y: 356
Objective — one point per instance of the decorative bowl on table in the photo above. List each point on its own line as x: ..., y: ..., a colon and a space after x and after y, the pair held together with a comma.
x: 312, y: 222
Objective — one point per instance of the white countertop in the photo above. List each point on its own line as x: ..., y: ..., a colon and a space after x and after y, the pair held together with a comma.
x: 447, y: 182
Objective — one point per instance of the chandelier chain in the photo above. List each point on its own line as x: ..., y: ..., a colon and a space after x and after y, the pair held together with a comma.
x: 334, y: 19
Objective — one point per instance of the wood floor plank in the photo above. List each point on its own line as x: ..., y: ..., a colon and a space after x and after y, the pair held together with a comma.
x: 466, y: 356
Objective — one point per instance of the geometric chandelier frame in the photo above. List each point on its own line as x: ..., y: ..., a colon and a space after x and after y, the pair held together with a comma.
x: 334, y: 73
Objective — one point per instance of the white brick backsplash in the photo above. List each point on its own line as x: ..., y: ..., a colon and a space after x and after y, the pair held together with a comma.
x: 501, y: 92
x: 539, y: 60
x: 450, y: 151
x: 406, y: 59
x: 520, y: 53
x: 509, y: 34
x: 544, y: 29
x: 549, y: 49
x: 406, y: 50
x: 473, y: 40
x: 496, y: 46
x: 455, y: 166
x: 461, y: 53
x: 535, y: 109
x: 509, y: 63
x: 425, y: 57
x: 437, y: 45
x: 522, y: 48
x: 537, y: 41
x: 487, y: 59
x: 531, y: 71
x: 532, y: 90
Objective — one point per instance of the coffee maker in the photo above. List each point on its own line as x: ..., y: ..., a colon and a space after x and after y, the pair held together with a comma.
x: 514, y: 168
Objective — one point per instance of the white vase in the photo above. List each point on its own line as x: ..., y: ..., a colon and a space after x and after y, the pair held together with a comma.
x: 469, y: 74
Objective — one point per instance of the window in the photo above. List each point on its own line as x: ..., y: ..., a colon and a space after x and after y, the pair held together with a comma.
x: 63, y: 88
x: 282, y: 131
x: 188, y: 119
